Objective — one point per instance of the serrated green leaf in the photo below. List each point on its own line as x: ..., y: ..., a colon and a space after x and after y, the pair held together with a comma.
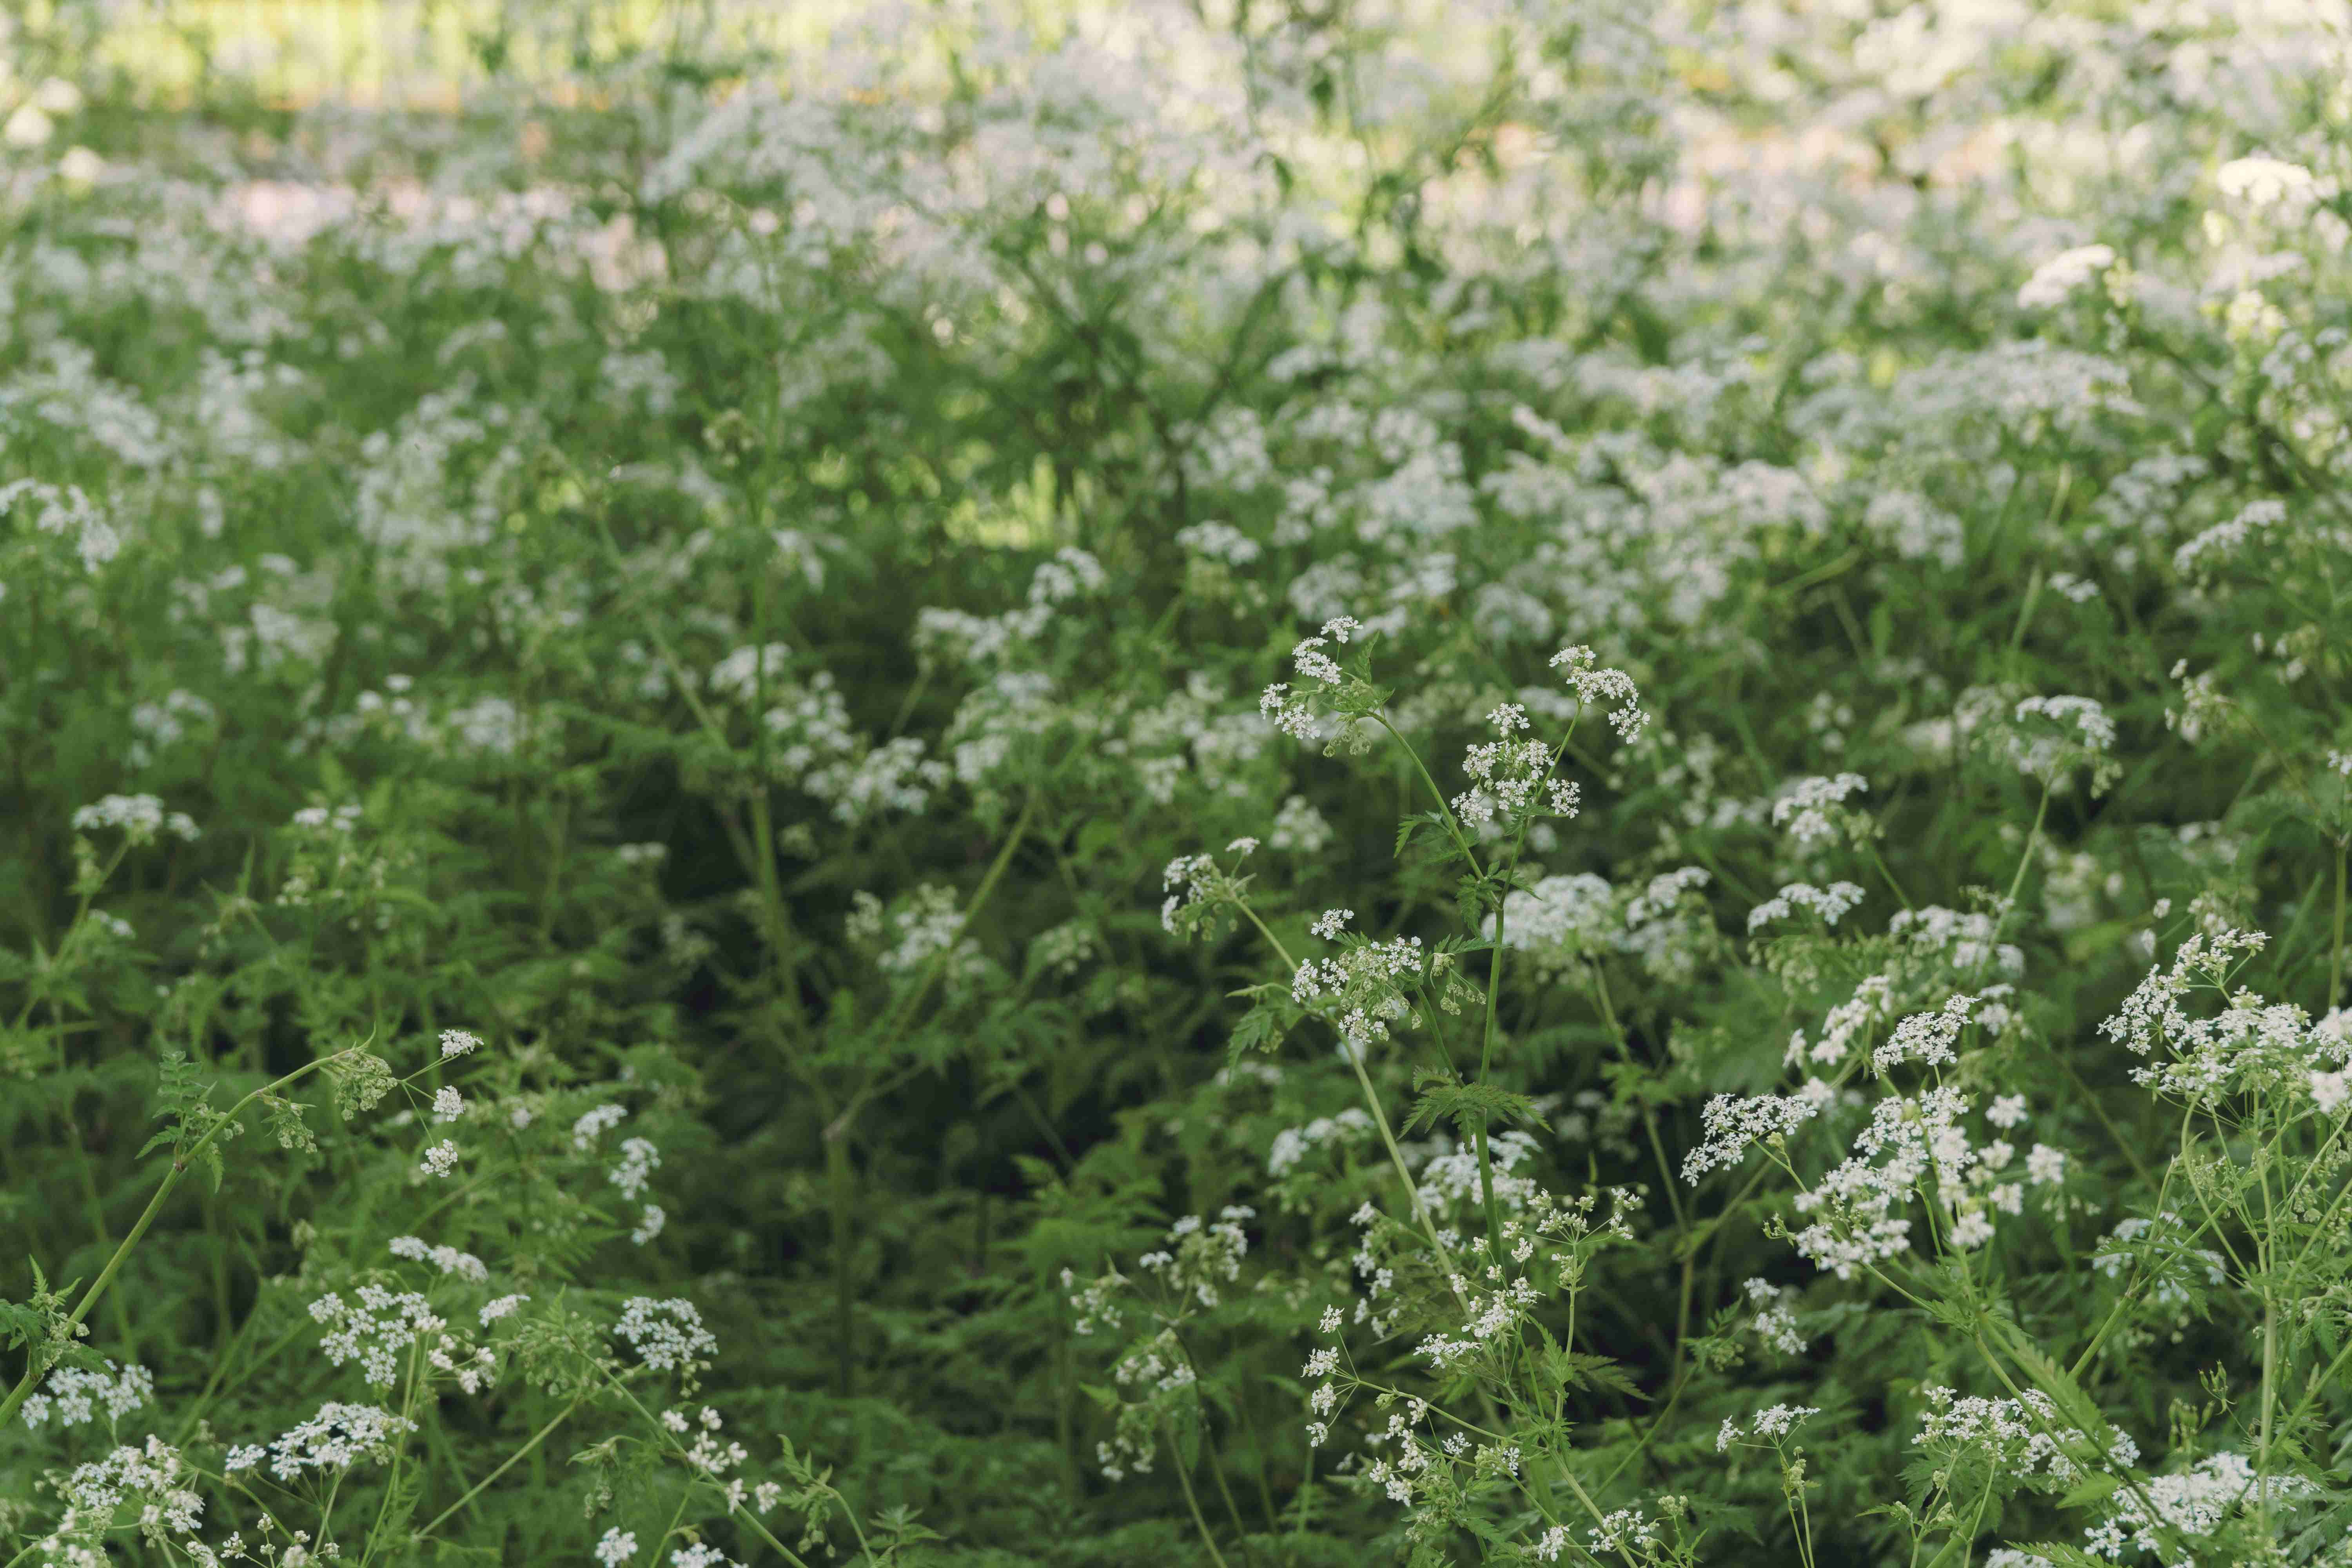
x: 1467, y: 1105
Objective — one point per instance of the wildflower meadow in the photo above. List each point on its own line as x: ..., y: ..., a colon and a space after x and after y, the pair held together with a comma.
x: 1177, y: 784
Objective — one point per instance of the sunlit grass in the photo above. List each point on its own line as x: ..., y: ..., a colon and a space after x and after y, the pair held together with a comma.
x: 429, y: 53
x: 433, y: 53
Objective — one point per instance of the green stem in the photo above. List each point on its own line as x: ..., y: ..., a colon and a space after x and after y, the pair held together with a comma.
x: 841, y: 1178
x: 1191, y: 1501
x: 2336, y: 952
x: 1452, y: 824
x: 744, y: 1516
x: 511, y: 1460
x: 36, y: 1364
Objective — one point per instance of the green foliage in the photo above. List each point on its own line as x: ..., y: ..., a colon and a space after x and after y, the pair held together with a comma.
x: 785, y: 672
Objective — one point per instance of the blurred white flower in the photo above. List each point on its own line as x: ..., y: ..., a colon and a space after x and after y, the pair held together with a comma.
x: 28, y: 127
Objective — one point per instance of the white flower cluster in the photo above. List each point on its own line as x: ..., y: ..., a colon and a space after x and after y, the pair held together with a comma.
x: 639, y: 1159
x: 1497, y: 1300
x: 1493, y: 1315
x: 1203, y: 1256
x: 1601, y: 688
x: 375, y: 1330
x: 2044, y: 738
x: 1293, y: 1144
x: 2157, y: 1250
x: 707, y: 1455
x: 814, y: 745
x: 1625, y: 1531
x: 1300, y: 828
x: 1560, y: 919
x: 1771, y: 1425
x: 1362, y: 990
x: 2249, y: 1044
x: 338, y: 1437
x: 1805, y: 807
x: 1965, y: 941
x: 1450, y: 1176
x: 927, y: 927
x: 1927, y: 1038
x: 504, y: 1307
x: 2063, y: 273
x: 1668, y: 926
x: 1908, y: 1140
x: 1097, y: 1304
x: 1219, y: 542
x: 75, y: 1395
x: 1830, y: 903
x: 1422, y: 1466
x: 1862, y: 1195
x: 2223, y: 540
x: 63, y: 508
x: 139, y: 817
x: 666, y: 1334
x: 1293, y: 715
x: 1775, y: 1322
x: 1508, y: 775
x: 1845, y: 1024
x: 2191, y: 1504
x: 593, y: 1123
x: 2023, y: 1437
x: 449, y: 1260
x: 149, y: 1477
x: 1732, y: 1124
x: 1157, y: 1365
x: 741, y: 675
x: 1190, y: 880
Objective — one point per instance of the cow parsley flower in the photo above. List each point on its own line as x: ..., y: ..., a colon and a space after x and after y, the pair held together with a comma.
x: 639, y: 1159
x: 665, y: 1335
x: 593, y: 1123
x: 337, y: 1439
x: 1732, y: 1124
x: 139, y: 817
x: 1602, y: 687
x: 76, y: 1396
x: 1807, y: 809
x: 2063, y: 273
x: 447, y: 1260
x: 1925, y: 1037
x: 1830, y: 903
x: 1771, y: 1425
x: 1332, y: 923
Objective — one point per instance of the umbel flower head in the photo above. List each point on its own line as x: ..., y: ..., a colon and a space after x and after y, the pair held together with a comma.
x: 1202, y: 894
x: 1350, y: 697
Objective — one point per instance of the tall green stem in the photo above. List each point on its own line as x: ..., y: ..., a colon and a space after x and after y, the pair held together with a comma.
x: 2335, y: 950
x: 37, y: 1362
x: 513, y: 1460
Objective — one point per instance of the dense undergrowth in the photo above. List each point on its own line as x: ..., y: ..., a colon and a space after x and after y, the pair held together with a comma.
x: 803, y: 817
